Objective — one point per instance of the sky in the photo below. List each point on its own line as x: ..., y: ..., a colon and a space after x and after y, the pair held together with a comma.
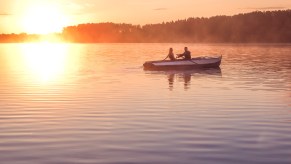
x: 45, y: 16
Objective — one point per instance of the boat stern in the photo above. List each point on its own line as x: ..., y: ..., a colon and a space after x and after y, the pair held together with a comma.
x: 148, y: 65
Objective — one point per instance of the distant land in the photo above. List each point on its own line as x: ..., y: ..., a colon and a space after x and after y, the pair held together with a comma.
x: 254, y: 27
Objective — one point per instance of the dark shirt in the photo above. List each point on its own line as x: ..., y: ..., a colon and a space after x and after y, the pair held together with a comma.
x: 187, y: 55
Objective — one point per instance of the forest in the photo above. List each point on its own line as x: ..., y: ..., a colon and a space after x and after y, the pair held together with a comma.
x: 254, y: 27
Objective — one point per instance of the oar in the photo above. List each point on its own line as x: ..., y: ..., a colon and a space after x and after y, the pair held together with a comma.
x: 189, y: 60
x: 193, y: 61
x: 166, y: 57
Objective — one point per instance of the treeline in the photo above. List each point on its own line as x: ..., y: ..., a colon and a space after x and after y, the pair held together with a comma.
x: 103, y: 32
x: 269, y: 26
x: 24, y: 37
x: 18, y: 38
x: 259, y: 27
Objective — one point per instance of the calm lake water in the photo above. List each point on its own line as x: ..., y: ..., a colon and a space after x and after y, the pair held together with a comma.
x: 94, y: 103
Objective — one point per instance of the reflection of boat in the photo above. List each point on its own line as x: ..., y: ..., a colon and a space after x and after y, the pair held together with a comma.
x: 186, y: 75
x: 206, y: 71
x: 194, y: 63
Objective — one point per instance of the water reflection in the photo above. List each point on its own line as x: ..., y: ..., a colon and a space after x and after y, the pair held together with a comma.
x: 186, y: 76
x: 45, y: 62
x: 92, y: 108
x: 37, y: 73
x: 40, y: 63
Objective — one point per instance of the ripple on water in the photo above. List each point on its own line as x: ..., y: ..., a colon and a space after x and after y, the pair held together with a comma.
x: 106, y: 109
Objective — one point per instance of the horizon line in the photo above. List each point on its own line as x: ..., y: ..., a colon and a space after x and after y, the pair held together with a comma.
x: 104, y: 22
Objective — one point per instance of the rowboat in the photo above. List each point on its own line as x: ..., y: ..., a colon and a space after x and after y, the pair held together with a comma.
x: 194, y: 63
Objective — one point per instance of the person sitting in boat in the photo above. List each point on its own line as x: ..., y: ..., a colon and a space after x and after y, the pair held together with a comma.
x: 186, y: 55
x: 171, y: 55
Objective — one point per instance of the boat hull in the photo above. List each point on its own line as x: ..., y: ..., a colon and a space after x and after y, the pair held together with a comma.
x: 194, y: 63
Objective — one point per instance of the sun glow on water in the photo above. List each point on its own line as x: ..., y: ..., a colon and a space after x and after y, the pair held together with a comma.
x: 45, y: 62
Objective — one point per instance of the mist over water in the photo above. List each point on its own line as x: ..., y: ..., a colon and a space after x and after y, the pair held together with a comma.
x: 93, y: 103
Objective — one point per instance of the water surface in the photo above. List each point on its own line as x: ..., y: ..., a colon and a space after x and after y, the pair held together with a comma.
x: 93, y: 103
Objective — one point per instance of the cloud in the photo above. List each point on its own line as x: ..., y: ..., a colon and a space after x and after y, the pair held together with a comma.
x: 160, y: 9
x: 265, y: 8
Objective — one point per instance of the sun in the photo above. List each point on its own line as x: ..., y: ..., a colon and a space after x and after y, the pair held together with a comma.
x: 43, y: 19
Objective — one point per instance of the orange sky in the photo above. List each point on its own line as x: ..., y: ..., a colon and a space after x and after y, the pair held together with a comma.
x: 45, y: 16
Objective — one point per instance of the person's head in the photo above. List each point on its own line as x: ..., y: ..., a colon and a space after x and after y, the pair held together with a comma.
x: 171, y: 50
x: 186, y: 48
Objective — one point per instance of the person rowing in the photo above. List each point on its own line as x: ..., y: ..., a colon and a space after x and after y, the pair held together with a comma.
x: 186, y: 55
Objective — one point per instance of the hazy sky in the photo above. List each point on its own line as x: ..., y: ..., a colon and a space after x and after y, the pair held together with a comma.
x: 15, y: 14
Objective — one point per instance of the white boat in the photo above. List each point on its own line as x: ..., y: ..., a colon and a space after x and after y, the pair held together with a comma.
x: 194, y: 63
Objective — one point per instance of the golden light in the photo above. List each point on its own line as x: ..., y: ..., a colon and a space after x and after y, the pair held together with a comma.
x: 44, y: 19
x: 45, y: 62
